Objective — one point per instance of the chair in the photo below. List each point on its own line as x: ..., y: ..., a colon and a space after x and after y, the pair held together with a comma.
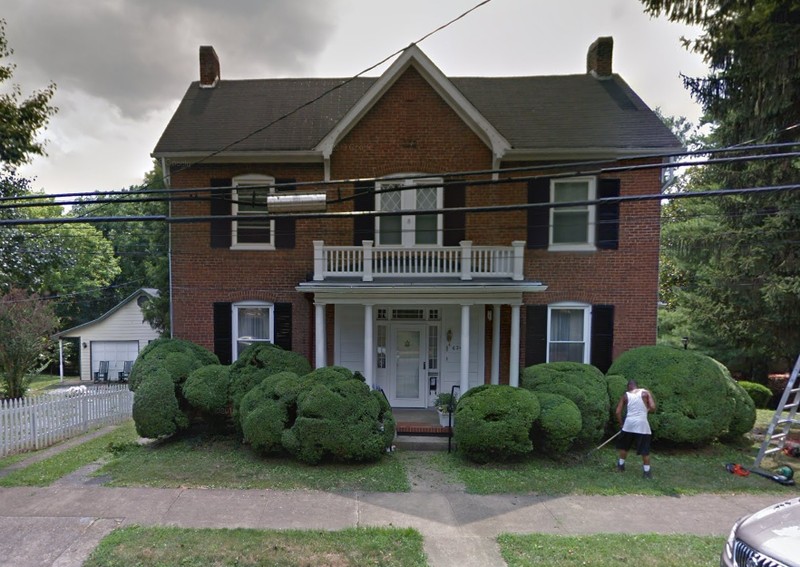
x: 102, y: 372
x: 126, y: 371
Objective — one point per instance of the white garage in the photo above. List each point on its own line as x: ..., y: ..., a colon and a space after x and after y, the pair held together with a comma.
x: 116, y: 337
x: 115, y: 353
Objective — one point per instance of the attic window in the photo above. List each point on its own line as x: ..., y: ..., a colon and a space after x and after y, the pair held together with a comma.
x: 142, y: 300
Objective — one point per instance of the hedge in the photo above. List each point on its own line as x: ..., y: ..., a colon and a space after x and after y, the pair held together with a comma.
x: 760, y: 394
x: 558, y: 425
x: 584, y: 384
x: 493, y: 423
x: 697, y: 402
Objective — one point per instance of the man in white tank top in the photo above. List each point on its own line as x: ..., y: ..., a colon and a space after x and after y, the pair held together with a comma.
x: 635, y: 429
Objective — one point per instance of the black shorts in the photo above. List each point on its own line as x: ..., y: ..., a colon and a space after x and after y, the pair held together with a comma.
x: 641, y: 441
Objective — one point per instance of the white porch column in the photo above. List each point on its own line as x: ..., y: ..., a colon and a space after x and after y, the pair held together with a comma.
x: 495, y: 379
x: 60, y: 359
x: 319, y: 260
x: 513, y: 363
x: 369, y: 348
x: 464, y: 349
x: 320, y: 344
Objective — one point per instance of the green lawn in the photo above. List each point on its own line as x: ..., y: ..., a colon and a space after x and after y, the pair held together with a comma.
x: 675, y: 472
x: 45, y: 472
x: 610, y: 549
x: 169, y: 546
x: 223, y: 462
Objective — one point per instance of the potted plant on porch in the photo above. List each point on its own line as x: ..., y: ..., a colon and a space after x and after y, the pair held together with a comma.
x: 445, y: 403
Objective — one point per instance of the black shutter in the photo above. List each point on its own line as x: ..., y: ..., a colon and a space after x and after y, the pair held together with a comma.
x: 454, y: 222
x: 602, y: 336
x: 539, y: 217
x: 285, y: 227
x: 535, y: 334
x: 223, y: 341
x: 221, y: 205
x: 364, y: 226
x: 283, y: 325
x: 608, y: 215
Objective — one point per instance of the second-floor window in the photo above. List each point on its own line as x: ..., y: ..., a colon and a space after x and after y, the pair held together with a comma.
x: 572, y: 227
x: 250, y: 199
x: 409, y: 230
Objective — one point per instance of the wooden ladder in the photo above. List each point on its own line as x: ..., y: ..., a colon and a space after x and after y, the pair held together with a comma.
x: 784, y: 419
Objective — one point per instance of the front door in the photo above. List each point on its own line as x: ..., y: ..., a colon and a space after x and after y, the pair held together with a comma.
x: 407, y: 389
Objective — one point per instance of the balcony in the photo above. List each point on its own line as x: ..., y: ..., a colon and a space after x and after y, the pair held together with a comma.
x: 464, y: 262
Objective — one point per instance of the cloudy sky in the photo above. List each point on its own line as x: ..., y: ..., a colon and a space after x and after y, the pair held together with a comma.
x: 121, y: 66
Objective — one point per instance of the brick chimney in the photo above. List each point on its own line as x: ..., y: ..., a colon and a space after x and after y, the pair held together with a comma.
x: 598, y: 59
x: 209, y: 67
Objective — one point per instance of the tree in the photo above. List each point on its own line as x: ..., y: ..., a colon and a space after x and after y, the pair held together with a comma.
x: 20, y: 120
x: 26, y: 324
x: 139, y: 246
x: 746, y: 282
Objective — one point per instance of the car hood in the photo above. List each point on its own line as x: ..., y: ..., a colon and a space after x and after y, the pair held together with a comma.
x: 774, y: 531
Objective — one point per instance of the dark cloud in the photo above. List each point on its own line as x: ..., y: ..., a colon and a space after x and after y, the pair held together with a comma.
x: 141, y: 54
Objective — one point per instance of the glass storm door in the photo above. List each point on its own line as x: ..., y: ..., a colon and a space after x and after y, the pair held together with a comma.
x: 407, y: 386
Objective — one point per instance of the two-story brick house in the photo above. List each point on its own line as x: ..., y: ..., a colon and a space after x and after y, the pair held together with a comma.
x: 410, y: 276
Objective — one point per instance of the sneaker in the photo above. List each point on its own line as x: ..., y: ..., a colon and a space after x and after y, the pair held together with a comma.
x: 647, y: 474
x: 621, y: 467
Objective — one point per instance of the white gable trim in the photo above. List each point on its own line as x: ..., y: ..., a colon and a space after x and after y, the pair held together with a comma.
x: 413, y: 56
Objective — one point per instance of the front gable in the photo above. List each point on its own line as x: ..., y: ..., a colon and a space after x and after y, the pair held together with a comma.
x: 415, y: 61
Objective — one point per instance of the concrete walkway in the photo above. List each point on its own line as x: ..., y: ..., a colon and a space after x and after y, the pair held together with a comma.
x: 59, y: 525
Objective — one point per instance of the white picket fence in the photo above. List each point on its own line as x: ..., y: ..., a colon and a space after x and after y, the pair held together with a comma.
x: 41, y: 421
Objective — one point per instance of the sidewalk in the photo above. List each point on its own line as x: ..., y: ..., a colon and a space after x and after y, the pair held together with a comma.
x: 59, y: 525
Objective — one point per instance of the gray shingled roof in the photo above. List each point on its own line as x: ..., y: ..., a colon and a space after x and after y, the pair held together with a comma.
x: 536, y: 113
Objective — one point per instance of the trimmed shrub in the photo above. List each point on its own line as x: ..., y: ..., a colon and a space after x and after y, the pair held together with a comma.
x: 268, y: 410
x: 694, y: 399
x: 329, y: 414
x: 493, y: 423
x: 206, y: 389
x: 155, y: 407
x: 744, y: 410
x: 177, y: 359
x: 177, y: 356
x: 338, y: 418
x: 584, y: 384
x: 256, y: 363
x: 760, y: 394
x: 558, y: 425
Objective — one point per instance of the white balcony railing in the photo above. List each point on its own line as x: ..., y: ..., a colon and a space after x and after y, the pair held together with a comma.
x: 464, y: 261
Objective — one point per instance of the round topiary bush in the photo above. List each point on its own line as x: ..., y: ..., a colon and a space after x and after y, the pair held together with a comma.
x: 493, y: 423
x: 179, y: 357
x: 206, y: 389
x: 257, y: 362
x: 558, y: 425
x: 695, y: 401
x: 338, y: 418
x: 155, y: 407
x: 267, y: 410
x: 584, y: 384
x: 760, y: 394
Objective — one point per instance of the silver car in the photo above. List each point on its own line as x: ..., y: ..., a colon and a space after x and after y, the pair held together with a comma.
x: 768, y: 538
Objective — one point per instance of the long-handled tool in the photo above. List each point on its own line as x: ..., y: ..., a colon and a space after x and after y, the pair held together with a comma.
x: 601, y: 445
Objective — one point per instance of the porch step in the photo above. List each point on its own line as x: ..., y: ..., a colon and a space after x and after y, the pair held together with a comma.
x: 421, y: 443
x: 421, y: 429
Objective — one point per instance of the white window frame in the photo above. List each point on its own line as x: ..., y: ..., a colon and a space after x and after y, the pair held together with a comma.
x: 408, y: 201
x: 591, y: 194
x: 587, y: 326
x: 250, y: 180
x: 235, y: 338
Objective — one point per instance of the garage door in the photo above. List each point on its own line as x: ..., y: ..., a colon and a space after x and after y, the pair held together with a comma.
x: 115, y: 352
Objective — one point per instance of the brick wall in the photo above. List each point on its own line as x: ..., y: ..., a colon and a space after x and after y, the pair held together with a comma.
x: 410, y: 130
